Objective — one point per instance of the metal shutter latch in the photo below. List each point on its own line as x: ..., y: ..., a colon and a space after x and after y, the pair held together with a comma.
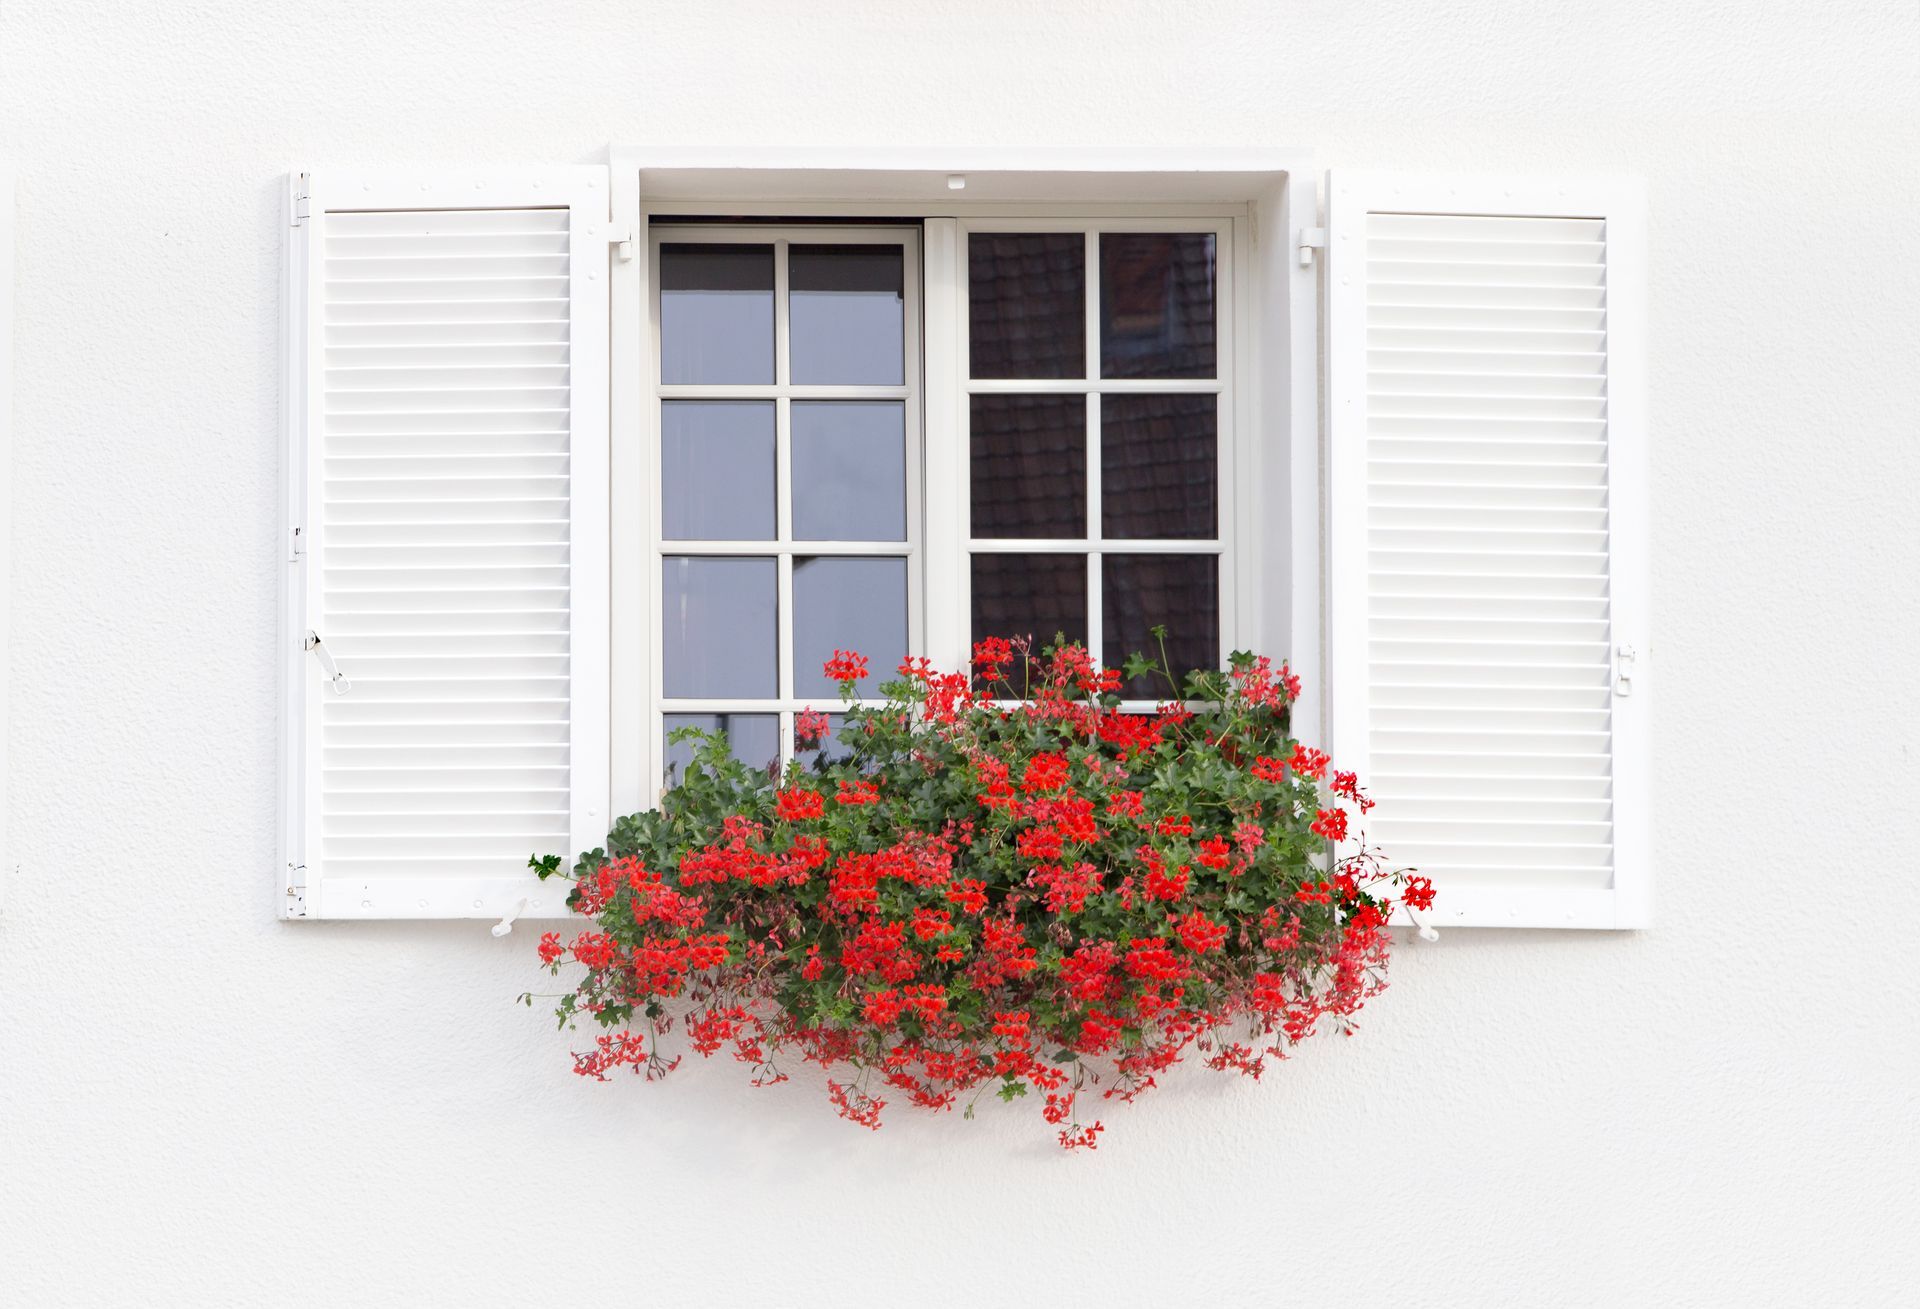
x: 339, y: 679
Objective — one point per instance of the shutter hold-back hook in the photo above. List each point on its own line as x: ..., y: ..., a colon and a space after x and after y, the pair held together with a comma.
x: 337, y: 678
x: 505, y: 925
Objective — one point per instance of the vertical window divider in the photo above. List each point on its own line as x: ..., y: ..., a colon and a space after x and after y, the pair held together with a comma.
x: 1231, y: 518
x: 652, y: 752
x: 913, y: 428
x: 783, y: 489
x: 947, y: 520
x: 1096, y: 619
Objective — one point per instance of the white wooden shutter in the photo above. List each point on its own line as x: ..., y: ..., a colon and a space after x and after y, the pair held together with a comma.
x: 1487, y: 544
x: 447, y: 540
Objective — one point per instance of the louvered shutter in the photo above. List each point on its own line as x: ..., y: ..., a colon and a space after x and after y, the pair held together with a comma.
x: 447, y: 494
x: 1487, y: 542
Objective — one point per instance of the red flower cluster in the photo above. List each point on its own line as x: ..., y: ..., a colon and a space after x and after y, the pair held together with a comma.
x: 797, y: 806
x: 846, y: 666
x: 1017, y: 887
x: 810, y: 727
x: 1331, y: 823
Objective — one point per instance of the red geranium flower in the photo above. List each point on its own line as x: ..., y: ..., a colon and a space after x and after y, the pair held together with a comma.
x: 1331, y: 823
x: 846, y: 666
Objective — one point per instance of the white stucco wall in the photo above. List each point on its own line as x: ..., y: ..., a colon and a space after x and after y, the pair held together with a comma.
x: 201, y: 1104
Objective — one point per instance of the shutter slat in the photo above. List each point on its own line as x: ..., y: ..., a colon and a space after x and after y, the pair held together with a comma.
x: 488, y: 757
x: 1513, y: 348
x: 489, y: 374
x: 1467, y: 319
x: 1489, y: 429
x: 1516, y: 236
x: 1451, y: 788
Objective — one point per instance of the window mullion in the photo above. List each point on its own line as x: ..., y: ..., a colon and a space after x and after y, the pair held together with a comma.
x: 946, y: 476
x: 1095, y: 617
x: 783, y: 490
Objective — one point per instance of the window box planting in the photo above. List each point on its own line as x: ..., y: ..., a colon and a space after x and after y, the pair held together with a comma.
x: 998, y: 883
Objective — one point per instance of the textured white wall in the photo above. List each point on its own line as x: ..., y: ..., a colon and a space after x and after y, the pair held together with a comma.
x: 199, y: 1104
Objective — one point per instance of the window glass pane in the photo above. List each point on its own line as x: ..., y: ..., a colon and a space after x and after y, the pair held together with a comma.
x: 1028, y: 474
x: 847, y: 604
x: 846, y: 314
x: 1030, y: 595
x: 849, y: 470
x: 1156, y: 304
x: 753, y: 739
x: 1179, y: 592
x: 716, y: 470
x: 830, y: 748
x: 716, y: 313
x: 1158, y: 470
x: 1027, y: 304
x: 720, y: 638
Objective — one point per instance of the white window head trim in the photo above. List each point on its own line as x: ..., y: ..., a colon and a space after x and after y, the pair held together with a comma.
x: 1487, y: 588
x: 446, y: 502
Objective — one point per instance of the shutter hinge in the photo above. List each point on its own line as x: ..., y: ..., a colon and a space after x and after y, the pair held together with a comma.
x: 1623, y: 672
x: 300, y: 201
x: 621, y: 238
x: 1311, y: 239
x: 297, y: 547
x: 339, y: 679
x: 296, y: 891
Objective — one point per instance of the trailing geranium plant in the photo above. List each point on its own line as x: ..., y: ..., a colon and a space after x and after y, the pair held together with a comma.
x: 1000, y: 882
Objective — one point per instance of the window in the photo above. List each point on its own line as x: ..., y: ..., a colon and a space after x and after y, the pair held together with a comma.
x: 1099, y: 428
x: 788, y: 490
x: 787, y: 421
x: 572, y: 462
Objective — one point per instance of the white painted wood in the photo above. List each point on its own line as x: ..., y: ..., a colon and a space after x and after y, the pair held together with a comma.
x: 631, y: 528
x: 1487, y: 564
x: 6, y: 500
x: 943, y: 366
x: 1289, y: 405
x: 913, y: 179
x: 450, y: 480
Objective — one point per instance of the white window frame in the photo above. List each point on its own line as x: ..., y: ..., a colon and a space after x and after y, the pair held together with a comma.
x: 784, y: 547
x: 1266, y: 199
